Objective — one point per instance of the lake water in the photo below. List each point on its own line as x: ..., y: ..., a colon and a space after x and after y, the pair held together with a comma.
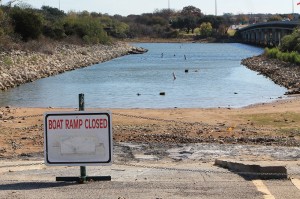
x: 215, y: 78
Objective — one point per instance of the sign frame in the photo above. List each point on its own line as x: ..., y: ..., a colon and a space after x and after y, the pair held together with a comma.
x: 97, y: 161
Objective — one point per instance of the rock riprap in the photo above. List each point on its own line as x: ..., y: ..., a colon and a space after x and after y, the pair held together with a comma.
x: 18, y: 67
x: 282, y: 73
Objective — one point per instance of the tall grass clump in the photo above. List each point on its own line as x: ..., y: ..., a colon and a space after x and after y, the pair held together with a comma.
x: 275, y: 53
x: 272, y: 53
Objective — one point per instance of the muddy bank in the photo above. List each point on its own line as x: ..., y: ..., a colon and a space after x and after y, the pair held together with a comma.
x: 19, y: 67
x: 275, y: 124
x: 282, y: 73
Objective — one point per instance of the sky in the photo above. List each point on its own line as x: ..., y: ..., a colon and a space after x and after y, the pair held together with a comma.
x: 127, y: 7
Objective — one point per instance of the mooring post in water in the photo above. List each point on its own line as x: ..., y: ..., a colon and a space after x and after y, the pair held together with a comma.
x: 82, y: 168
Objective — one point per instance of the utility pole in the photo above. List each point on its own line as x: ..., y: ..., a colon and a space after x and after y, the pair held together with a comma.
x: 293, y: 7
x: 216, y: 9
x: 169, y: 4
x: 59, y: 4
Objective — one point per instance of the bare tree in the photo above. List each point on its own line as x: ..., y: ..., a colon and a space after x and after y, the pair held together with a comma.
x: 11, y: 2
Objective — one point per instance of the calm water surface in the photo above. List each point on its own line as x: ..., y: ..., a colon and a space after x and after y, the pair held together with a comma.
x: 215, y: 78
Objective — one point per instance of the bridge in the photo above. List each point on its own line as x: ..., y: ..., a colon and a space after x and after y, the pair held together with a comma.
x: 267, y: 34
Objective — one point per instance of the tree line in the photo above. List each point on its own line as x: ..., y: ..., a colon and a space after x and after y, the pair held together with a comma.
x: 25, y: 23
x: 21, y: 22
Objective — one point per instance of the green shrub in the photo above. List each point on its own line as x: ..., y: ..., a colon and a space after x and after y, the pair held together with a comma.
x: 87, y: 28
x: 293, y: 57
x: 272, y: 53
x: 206, y: 29
x: 27, y: 23
x: 291, y: 42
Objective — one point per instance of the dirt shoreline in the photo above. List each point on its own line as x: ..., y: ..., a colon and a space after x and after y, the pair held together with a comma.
x: 269, y: 124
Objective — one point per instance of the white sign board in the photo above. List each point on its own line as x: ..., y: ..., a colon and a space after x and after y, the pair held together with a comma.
x: 78, y: 138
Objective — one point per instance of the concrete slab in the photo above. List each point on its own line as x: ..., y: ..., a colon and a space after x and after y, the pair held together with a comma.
x: 257, y: 169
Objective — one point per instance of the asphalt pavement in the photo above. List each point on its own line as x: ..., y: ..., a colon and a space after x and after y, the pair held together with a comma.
x: 136, y: 173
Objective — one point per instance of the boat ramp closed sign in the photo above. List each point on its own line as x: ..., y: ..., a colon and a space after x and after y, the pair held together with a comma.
x: 78, y: 138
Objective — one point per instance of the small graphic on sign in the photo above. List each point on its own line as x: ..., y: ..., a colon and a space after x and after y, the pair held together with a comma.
x: 81, y: 145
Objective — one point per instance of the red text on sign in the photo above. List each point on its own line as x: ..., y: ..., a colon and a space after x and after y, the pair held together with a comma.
x: 73, y: 123
x: 95, y: 123
x: 55, y: 124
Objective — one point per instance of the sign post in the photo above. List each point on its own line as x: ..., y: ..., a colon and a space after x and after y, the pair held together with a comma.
x: 78, y: 139
x: 82, y: 168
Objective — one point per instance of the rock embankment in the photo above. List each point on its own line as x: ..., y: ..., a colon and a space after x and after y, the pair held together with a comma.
x: 19, y: 67
x: 282, y: 73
